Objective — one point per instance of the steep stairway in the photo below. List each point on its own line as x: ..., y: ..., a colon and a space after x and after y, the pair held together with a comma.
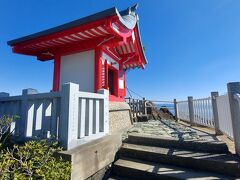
x: 147, y: 157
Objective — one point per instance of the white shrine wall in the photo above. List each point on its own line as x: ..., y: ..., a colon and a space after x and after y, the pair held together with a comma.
x: 78, y: 68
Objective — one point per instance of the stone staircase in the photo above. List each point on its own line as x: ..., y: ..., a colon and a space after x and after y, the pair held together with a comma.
x: 147, y: 157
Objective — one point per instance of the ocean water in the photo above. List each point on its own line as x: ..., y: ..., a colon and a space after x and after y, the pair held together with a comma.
x: 169, y: 106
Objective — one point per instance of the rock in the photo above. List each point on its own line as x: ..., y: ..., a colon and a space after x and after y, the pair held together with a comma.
x: 135, y: 130
x: 163, y: 127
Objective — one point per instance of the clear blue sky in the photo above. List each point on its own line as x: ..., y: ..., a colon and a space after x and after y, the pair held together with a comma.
x: 193, y: 47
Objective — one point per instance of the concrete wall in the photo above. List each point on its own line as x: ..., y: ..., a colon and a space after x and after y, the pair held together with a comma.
x: 78, y: 68
x: 119, y: 117
x: 91, y: 157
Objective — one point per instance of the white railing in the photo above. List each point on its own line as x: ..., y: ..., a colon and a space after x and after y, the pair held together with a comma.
x: 39, y: 113
x: 10, y: 106
x: 70, y: 116
x: 183, y: 110
x: 219, y: 112
x: 203, y: 113
x: 224, y: 115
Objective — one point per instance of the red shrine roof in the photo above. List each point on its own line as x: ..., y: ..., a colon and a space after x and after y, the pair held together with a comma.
x: 111, y: 30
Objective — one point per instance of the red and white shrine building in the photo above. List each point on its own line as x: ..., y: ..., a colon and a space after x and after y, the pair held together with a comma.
x: 94, y: 51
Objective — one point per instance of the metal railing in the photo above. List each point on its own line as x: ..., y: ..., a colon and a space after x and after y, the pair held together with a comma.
x: 142, y: 106
x: 138, y: 106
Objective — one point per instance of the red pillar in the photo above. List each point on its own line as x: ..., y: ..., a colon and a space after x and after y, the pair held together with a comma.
x: 98, y: 69
x: 56, y: 73
x: 106, y: 74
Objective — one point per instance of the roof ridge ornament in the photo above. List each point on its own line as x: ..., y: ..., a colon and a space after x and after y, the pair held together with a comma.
x: 128, y: 17
x: 133, y: 8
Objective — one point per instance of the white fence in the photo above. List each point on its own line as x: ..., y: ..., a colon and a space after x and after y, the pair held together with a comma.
x: 203, y: 113
x: 70, y: 116
x: 183, y: 110
x: 219, y: 112
x: 224, y: 115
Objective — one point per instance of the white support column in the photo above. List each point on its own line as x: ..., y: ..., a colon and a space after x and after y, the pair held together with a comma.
x: 214, y: 96
x: 89, y: 122
x: 105, y: 127
x: 234, y: 100
x: 190, y: 108
x: 24, y: 125
x: 68, y: 125
x: 82, y: 118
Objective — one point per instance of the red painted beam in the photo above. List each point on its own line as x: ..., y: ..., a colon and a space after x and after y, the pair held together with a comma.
x: 112, y: 54
x: 106, y: 74
x: 138, y: 47
x: 56, y: 72
x: 78, y: 46
x: 98, y: 69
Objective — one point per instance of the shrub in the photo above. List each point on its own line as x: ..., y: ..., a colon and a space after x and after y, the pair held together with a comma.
x: 33, y: 160
x: 5, y: 124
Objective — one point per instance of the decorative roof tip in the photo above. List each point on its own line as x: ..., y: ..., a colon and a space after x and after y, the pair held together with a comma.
x: 128, y: 17
x: 130, y: 10
x: 134, y: 8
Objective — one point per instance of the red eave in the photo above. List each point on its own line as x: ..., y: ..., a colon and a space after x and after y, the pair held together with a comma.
x: 108, y: 33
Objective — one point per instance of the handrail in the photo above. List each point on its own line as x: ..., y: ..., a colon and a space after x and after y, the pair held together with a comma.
x: 202, y: 99
x: 181, y: 101
x: 148, y: 100
x: 160, y: 101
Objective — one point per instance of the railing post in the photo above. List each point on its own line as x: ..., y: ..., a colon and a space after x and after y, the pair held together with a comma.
x: 144, y: 106
x: 106, y: 109
x: 24, y: 125
x: 214, y: 96
x: 190, y: 108
x: 133, y: 107
x: 233, y: 91
x: 68, y: 125
x: 175, y: 109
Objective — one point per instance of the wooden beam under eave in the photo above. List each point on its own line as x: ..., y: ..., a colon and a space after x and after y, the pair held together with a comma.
x: 56, y: 72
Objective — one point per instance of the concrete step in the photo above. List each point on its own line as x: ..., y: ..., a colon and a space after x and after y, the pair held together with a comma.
x: 117, y: 178
x: 143, y: 170
x: 212, y: 146
x: 219, y: 163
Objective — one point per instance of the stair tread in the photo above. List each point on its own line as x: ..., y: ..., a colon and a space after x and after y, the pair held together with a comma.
x: 211, y: 146
x: 166, y: 170
x: 117, y: 178
x: 176, y: 139
x: 220, y: 157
